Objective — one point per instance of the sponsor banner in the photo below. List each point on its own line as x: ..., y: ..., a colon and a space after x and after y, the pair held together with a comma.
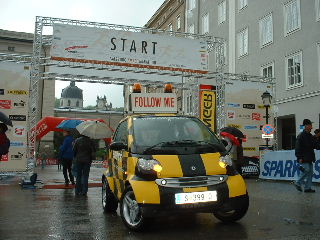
x: 5, y: 104
x: 208, y: 108
x: 18, y: 92
x: 234, y: 125
x: 250, y: 127
x: 231, y: 115
x: 283, y: 165
x: 14, y: 103
x: 233, y: 105
x: 19, y: 131
x: 256, y: 116
x: 17, y: 156
x: 18, y: 117
x: 154, y: 103
x: 249, y: 149
x: 16, y: 144
x: 244, y: 116
x: 249, y: 106
x: 19, y: 104
x: 126, y: 48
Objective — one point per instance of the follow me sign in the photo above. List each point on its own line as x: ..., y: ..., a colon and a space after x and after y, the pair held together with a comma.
x: 283, y: 165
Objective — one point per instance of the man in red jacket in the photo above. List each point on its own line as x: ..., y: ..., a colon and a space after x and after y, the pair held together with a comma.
x: 304, y: 151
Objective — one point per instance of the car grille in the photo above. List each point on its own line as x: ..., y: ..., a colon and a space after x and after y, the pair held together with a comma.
x: 184, y: 182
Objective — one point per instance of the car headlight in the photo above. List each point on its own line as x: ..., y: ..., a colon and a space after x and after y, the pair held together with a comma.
x: 149, y: 166
x: 225, y: 161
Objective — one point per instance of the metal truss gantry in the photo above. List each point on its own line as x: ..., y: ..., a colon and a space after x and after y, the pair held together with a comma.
x: 39, y: 63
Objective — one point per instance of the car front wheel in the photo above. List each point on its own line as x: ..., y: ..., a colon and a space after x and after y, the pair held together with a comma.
x: 130, y: 211
x: 235, y: 214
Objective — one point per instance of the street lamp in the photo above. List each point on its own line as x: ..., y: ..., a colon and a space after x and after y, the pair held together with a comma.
x: 266, y: 99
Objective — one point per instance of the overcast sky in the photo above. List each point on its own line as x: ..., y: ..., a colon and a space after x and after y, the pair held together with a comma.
x: 19, y: 15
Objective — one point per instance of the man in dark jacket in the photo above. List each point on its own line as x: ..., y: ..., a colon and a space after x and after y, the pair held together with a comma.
x: 304, y: 151
x: 66, y: 156
x: 83, y: 151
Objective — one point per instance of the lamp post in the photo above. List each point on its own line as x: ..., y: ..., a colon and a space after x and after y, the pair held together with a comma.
x: 266, y: 99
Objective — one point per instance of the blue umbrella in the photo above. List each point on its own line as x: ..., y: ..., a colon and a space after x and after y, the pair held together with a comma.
x: 69, y: 124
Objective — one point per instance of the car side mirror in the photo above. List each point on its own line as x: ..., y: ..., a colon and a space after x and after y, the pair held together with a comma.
x: 117, y: 146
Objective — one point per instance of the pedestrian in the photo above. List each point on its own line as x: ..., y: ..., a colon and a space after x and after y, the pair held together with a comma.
x: 4, y: 140
x: 66, y: 156
x: 84, y: 151
x: 304, y: 151
x: 44, y: 155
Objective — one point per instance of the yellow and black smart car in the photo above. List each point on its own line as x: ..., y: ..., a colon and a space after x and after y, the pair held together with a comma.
x: 166, y: 163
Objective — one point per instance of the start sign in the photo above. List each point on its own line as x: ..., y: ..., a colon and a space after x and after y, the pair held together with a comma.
x: 154, y: 103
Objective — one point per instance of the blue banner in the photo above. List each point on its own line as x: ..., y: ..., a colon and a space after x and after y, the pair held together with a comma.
x: 283, y: 165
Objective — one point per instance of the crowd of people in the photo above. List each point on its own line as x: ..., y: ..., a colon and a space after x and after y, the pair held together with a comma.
x: 76, y: 156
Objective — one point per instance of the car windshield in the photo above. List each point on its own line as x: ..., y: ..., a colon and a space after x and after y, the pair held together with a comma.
x: 163, y: 134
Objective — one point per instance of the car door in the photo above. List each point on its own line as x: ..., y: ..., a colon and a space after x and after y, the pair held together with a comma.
x: 119, y: 158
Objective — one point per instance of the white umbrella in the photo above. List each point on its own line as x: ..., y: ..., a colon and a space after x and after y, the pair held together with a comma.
x: 94, y: 129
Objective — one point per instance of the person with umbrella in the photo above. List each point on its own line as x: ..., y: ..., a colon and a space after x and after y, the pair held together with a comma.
x: 4, y: 140
x: 84, y: 151
x: 66, y: 155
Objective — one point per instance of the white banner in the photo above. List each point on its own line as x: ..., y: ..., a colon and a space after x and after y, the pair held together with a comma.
x: 154, y: 103
x: 283, y: 165
x: 14, y: 98
x: 126, y: 48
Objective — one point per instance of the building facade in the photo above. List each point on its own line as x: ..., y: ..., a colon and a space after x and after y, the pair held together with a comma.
x: 274, y: 38
x: 170, y: 16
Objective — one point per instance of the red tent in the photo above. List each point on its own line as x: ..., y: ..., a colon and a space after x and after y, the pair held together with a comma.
x: 48, y: 124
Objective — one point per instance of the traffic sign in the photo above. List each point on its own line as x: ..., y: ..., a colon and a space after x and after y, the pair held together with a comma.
x: 267, y: 129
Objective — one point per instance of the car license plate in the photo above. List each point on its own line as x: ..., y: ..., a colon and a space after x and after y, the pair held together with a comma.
x: 196, y: 197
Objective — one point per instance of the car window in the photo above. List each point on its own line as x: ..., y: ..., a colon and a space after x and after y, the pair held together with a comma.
x: 152, y: 130
x: 122, y: 133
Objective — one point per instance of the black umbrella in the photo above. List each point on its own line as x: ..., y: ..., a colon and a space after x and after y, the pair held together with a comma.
x: 5, y: 119
x: 234, y: 131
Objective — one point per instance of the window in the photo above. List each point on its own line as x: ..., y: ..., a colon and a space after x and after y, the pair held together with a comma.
x: 268, y: 70
x: 121, y: 134
x: 292, y: 16
x: 317, y: 10
x: 242, y: 4
x: 223, y: 55
x: 77, y: 104
x: 11, y: 49
x: 294, y: 70
x: 170, y: 27
x: 191, y: 4
x: 205, y: 23
x: 189, y: 103
x: 191, y: 28
x: 61, y: 104
x: 243, y: 43
x: 69, y: 103
x: 222, y: 12
x: 266, y: 30
x: 178, y: 22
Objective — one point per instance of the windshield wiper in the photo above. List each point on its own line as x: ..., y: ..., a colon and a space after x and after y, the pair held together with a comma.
x: 158, y: 145
x: 201, y: 142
